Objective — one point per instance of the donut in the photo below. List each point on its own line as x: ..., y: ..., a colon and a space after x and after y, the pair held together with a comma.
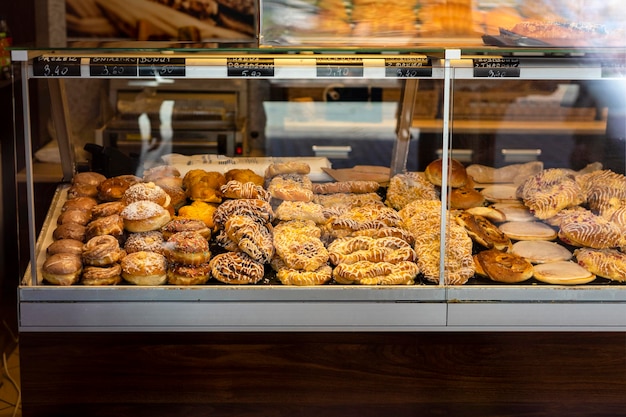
x: 102, y: 250
x: 376, y: 273
x: 102, y: 275
x: 69, y: 231
x: 81, y: 203
x: 88, y: 177
x: 82, y: 190
x: 179, y: 274
x: 151, y: 241
x: 110, y: 225
x: 144, y: 268
x: 188, y: 248
x: 145, y: 191
x: 457, y: 175
x: 72, y: 246
x: 236, y: 268
x: 107, y: 209
x: 143, y: 216
x: 113, y: 189
x: 182, y: 224
x: 62, y: 269
x: 502, y: 266
x: 74, y: 216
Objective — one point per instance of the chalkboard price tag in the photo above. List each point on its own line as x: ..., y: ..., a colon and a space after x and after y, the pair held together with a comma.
x: 408, y: 67
x: 113, y: 67
x: 161, y: 66
x: 496, y: 67
x: 56, y: 66
x: 339, y: 67
x: 250, y: 67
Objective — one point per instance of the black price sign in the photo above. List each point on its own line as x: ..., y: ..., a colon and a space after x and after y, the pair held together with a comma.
x: 496, y: 67
x: 408, y: 67
x: 161, y: 66
x: 56, y: 66
x: 339, y: 67
x: 250, y: 67
x: 613, y: 70
x: 113, y: 67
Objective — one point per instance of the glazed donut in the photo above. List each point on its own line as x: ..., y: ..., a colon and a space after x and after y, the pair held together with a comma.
x: 144, y: 268
x: 236, y: 268
x: 82, y: 190
x: 88, y: 177
x: 376, y: 273
x: 102, y: 275
x: 289, y: 276
x: 237, y: 189
x: 113, y: 189
x: 151, y: 241
x: 298, y: 244
x: 69, y: 231
x: 107, y: 209
x: 72, y: 246
x: 251, y: 237
x: 253, y: 207
x: 364, y: 248
x: 62, y: 269
x: 182, y: 224
x: 146, y: 191
x: 143, y: 216
x: 188, y: 248
x: 74, y: 216
x: 110, y: 225
x: 80, y: 203
x: 102, y: 250
x: 178, y: 274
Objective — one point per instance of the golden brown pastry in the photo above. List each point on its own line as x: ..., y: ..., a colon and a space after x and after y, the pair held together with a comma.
x: 102, y: 275
x: 550, y: 191
x: 69, y: 231
x: 502, y: 266
x: 407, y: 187
x: 107, y: 209
x: 112, y: 189
x: 102, y: 250
x: 65, y: 246
x: 298, y: 244
x: 291, y: 187
x: 483, y: 232
x: 199, y: 210
x: 250, y: 236
x: 237, y: 189
x: 562, y: 273
x: 187, y: 248
x: 74, y: 216
x: 300, y: 210
x: 88, y: 177
x: 299, y: 277
x: 151, y: 241
x: 356, y: 187
x: 143, y: 216
x: 236, y: 268
x: 466, y: 197
x: 376, y: 273
x: 62, y: 269
x: 364, y: 248
x: 252, y: 207
x: 110, y: 225
x: 81, y: 203
x: 290, y: 167
x: 179, y: 274
x: 244, y: 175
x: 183, y: 224
x: 145, y: 191
x: 457, y: 175
x: 144, y: 268
x: 606, y: 263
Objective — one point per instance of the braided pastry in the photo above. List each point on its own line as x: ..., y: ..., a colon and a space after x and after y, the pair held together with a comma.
x: 236, y: 268
x: 376, y: 273
x: 298, y: 277
x: 251, y: 237
x: 550, y: 191
x: 364, y: 248
x: 298, y: 244
x: 237, y: 189
x: 404, y: 188
x: 291, y: 187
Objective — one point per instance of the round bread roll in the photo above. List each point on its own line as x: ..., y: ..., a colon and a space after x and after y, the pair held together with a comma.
x: 457, y: 175
x: 144, y: 216
x: 562, y: 273
x: 503, y: 266
x: 541, y: 251
x: 144, y: 268
x: 62, y: 269
x: 465, y: 197
x: 528, y: 231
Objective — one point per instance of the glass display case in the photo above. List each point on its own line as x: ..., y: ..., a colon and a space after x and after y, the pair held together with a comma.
x: 348, y: 114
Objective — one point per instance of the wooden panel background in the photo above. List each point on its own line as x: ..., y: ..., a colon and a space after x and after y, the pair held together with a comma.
x: 323, y: 374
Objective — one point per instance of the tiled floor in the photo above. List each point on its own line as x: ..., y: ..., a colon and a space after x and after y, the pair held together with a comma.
x: 9, y: 393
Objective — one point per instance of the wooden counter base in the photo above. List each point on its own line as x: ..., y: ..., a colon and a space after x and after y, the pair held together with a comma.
x: 323, y: 374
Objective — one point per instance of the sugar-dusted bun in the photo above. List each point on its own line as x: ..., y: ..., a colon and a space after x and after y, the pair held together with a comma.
x: 457, y: 174
x: 541, y: 251
x: 143, y: 216
x: 62, y: 269
x: 188, y: 248
x: 562, y: 273
x: 144, y: 268
x: 145, y: 191
x: 528, y: 231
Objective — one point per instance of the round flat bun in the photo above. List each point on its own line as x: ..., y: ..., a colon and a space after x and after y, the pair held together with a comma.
x: 541, y: 251
x: 562, y: 273
x: 500, y: 193
x: 515, y: 212
x: 528, y: 231
x: 456, y: 179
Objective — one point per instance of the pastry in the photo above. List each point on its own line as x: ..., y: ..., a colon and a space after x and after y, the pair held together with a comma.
x: 69, y: 231
x: 299, y: 277
x: 376, y: 273
x: 199, y: 210
x: 541, y: 251
x: 107, y: 209
x: 251, y: 237
x: 179, y: 274
x: 143, y: 216
x: 409, y: 186
x: 562, y: 273
x: 244, y: 175
x: 252, y: 207
x: 151, y: 241
x: 237, y: 189
x: 81, y: 203
x: 144, y: 268
x: 236, y: 268
x: 550, y: 191
x: 300, y: 210
x: 183, y: 224
x: 88, y: 177
x: 110, y: 225
x: 102, y: 250
x: 72, y: 246
x: 291, y: 187
x: 528, y: 231
x: 74, y: 216
x: 102, y: 275
x: 483, y: 232
x: 112, y: 189
x: 364, y: 248
x: 606, y: 263
x: 357, y: 187
x: 188, y: 248
x: 466, y: 197
x: 146, y: 191
x: 502, y: 266
x: 62, y: 269
x: 290, y: 167
x: 298, y: 244
x: 457, y: 175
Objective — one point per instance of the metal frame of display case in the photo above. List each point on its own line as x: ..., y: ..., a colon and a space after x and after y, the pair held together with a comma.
x: 333, y: 307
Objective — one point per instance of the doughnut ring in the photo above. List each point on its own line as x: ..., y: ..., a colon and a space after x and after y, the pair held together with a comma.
x: 102, y: 250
